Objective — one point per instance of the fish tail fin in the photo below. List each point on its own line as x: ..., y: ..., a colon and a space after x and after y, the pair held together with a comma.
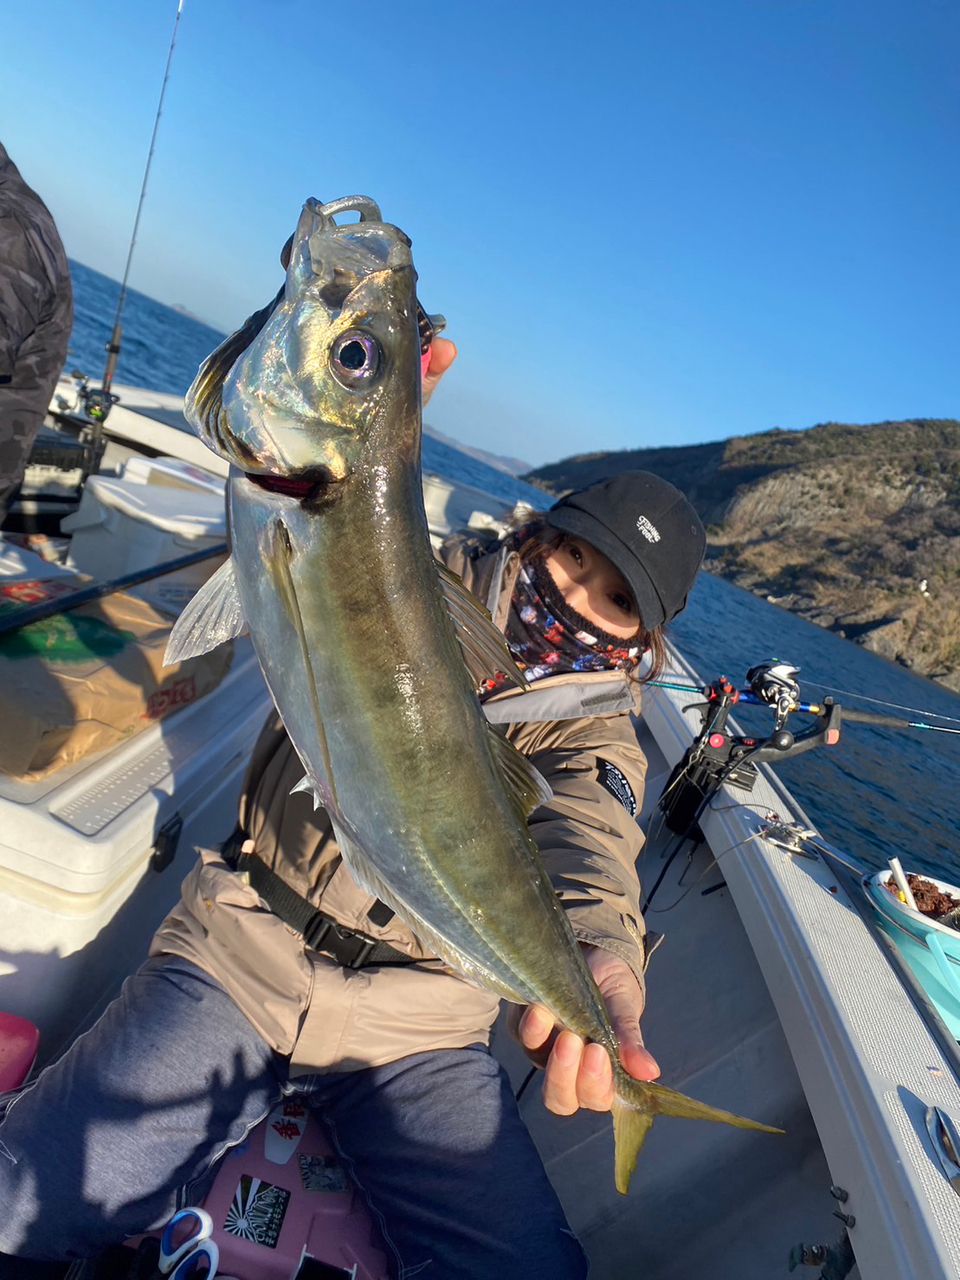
x: 667, y: 1102
x: 636, y: 1106
x: 630, y: 1128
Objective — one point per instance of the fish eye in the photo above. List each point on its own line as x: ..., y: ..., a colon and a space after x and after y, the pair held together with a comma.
x: 355, y: 359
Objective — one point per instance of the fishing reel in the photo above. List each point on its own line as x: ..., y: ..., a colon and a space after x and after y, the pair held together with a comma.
x: 97, y: 403
x: 774, y: 683
x: 92, y: 403
x: 717, y: 755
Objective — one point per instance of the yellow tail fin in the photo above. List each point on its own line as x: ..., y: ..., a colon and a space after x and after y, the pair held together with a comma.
x: 667, y: 1102
x: 632, y: 1121
x: 630, y: 1129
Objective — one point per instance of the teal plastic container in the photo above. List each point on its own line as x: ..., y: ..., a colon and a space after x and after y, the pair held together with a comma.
x: 931, y: 950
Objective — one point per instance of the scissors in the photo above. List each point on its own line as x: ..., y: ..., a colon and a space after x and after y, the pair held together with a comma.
x: 195, y: 1252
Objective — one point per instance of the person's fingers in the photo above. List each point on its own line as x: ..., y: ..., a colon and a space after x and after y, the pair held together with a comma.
x: 443, y: 352
x: 624, y: 1002
x: 536, y: 1032
x: 560, y: 1074
x: 595, y: 1079
x: 623, y: 997
x: 577, y: 1074
x: 638, y: 1061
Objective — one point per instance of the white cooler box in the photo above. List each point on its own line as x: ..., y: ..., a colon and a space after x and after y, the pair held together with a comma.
x: 157, y: 510
x: 92, y: 858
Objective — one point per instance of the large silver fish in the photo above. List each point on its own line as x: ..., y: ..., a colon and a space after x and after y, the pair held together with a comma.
x: 371, y: 651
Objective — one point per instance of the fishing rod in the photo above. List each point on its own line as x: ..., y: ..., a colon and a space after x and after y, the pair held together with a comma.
x: 99, y: 403
x: 17, y: 619
x: 751, y: 697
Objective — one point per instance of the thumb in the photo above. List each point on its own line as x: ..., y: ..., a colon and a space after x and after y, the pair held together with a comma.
x: 442, y: 355
x: 623, y: 997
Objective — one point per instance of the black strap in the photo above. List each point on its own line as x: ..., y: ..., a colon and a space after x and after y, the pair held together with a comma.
x: 348, y: 947
x: 230, y: 849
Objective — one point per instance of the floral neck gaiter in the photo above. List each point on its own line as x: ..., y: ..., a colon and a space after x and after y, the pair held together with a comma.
x: 546, y: 636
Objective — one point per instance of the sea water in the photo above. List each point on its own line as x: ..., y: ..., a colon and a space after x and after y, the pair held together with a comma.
x: 879, y: 792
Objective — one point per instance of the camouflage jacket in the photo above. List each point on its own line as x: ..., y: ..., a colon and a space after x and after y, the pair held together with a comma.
x: 36, y: 314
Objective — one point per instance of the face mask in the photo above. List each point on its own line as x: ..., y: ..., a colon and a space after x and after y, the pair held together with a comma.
x: 547, y: 637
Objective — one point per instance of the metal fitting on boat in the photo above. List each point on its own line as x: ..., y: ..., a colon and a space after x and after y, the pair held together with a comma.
x: 788, y: 835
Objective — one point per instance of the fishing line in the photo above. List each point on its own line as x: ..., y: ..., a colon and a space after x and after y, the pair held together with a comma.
x: 723, y: 808
x: 827, y: 851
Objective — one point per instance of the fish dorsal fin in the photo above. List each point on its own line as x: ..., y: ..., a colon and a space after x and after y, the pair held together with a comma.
x: 211, y: 617
x: 484, y: 649
x: 203, y: 404
x: 526, y: 786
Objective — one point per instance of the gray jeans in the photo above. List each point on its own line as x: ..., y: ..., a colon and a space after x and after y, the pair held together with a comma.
x: 130, y: 1122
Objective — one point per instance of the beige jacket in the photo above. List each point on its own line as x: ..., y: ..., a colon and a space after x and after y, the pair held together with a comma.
x: 579, y: 733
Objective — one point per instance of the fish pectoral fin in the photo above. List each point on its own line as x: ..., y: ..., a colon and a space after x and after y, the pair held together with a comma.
x: 526, y: 786
x: 485, y: 651
x: 277, y: 553
x: 630, y: 1129
x: 211, y: 618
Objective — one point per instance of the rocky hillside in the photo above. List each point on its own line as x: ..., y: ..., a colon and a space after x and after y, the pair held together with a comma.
x: 855, y: 527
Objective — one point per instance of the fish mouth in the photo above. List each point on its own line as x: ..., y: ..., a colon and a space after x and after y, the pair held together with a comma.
x: 312, y: 488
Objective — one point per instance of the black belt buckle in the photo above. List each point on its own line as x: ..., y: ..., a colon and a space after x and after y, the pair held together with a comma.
x: 349, y: 949
x: 356, y: 950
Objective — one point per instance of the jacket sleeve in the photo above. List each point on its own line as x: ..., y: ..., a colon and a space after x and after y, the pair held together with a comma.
x: 589, y: 836
x: 21, y: 292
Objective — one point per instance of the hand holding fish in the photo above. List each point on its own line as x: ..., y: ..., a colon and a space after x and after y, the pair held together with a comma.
x: 578, y: 1074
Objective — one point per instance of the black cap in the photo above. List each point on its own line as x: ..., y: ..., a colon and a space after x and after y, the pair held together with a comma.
x: 648, y: 529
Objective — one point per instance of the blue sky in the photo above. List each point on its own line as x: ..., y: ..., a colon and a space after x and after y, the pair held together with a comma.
x: 647, y: 223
